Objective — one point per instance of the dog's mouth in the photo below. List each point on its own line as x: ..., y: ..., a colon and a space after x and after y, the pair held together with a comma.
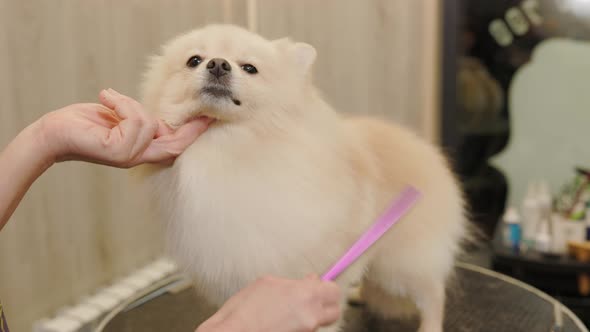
x: 220, y: 92
x: 217, y: 91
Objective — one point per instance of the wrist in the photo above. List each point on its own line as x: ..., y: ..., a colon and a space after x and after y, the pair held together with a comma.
x: 216, y: 325
x: 47, y: 138
x: 35, y: 139
x: 23, y: 160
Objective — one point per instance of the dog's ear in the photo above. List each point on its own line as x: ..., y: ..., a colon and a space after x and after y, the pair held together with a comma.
x: 303, y: 55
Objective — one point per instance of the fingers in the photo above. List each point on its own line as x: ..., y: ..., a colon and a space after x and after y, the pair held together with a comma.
x: 294, y: 305
x: 124, y: 136
x: 324, y: 293
x: 329, y: 316
x: 123, y: 106
x: 134, y: 135
x: 320, y: 303
x: 167, y: 147
x: 136, y: 130
x: 105, y: 117
x: 163, y: 129
x: 330, y: 293
x: 186, y: 134
x: 328, y: 299
x: 327, y: 291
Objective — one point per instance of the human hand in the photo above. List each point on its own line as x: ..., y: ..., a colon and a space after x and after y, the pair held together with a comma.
x: 117, y: 133
x: 278, y: 305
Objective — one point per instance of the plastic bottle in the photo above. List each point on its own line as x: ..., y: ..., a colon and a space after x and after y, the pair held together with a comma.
x: 545, y: 206
x: 544, y: 200
x: 513, y: 228
x: 543, y: 238
x: 531, y: 215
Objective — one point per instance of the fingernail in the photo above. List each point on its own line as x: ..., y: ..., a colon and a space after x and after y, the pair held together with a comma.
x: 107, y: 93
x: 113, y: 91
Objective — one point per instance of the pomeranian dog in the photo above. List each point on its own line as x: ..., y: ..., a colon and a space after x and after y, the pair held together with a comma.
x: 281, y: 184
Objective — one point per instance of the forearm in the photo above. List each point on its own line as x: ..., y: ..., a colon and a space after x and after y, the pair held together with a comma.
x: 21, y: 163
x: 216, y: 325
x: 229, y: 318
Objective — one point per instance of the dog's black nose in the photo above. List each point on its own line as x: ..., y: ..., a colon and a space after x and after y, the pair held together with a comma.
x: 218, y: 67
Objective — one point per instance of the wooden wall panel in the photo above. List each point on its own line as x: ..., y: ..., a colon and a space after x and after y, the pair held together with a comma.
x: 375, y: 57
x: 81, y: 225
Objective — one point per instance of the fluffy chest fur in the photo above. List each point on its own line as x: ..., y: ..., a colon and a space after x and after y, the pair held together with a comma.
x: 240, y: 205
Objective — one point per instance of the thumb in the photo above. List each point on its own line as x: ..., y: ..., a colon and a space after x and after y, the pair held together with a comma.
x: 170, y: 146
x: 185, y: 135
x: 312, y: 276
x: 163, y: 129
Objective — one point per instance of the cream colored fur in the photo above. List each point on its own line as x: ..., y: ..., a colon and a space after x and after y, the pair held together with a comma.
x: 283, y: 185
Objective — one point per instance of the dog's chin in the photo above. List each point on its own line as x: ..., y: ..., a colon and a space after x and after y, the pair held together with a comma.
x: 214, y: 102
x: 215, y: 94
x: 218, y: 103
x: 218, y: 108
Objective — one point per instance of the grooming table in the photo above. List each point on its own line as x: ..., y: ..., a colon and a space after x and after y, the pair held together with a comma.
x: 483, y: 300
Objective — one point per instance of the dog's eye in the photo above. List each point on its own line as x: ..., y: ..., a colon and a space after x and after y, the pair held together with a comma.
x: 194, y: 61
x: 248, y: 68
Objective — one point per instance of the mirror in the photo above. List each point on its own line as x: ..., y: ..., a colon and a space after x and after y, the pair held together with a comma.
x: 522, y: 105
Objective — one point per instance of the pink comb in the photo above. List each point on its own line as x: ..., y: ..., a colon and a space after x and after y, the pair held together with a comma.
x: 406, y: 200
